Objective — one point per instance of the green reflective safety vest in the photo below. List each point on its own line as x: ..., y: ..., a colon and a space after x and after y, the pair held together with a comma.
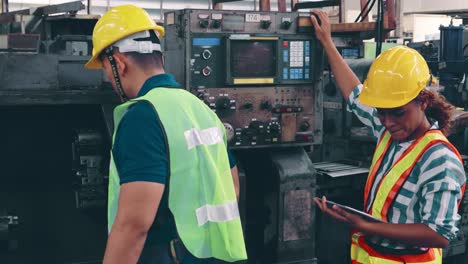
x: 201, y: 190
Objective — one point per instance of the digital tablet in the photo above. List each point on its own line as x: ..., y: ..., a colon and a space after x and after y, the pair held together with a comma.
x: 354, y: 211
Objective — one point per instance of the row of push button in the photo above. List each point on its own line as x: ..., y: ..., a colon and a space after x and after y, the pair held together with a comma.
x: 297, y: 44
x: 297, y: 51
x: 296, y: 74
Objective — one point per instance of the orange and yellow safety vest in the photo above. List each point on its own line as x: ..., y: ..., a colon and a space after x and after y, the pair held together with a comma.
x: 387, y: 190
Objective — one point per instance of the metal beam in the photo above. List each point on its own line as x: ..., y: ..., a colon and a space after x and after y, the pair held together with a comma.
x: 463, y: 13
x: 265, y: 5
x: 293, y: 5
x: 215, y: 2
x: 318, y: 4
x: 364, y: 10
x: 71, y: 7
x: 398, y: 19
x: 4, y: 6
x: 282, y: 5
x: 390, y: 12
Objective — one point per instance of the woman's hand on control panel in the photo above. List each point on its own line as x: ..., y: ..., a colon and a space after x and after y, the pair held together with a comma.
x: 322, y: 26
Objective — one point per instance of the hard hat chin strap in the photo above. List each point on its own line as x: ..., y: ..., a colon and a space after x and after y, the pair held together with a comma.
x: 109, y: 52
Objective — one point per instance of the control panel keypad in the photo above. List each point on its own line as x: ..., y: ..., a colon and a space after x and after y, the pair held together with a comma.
x: 296, y: 60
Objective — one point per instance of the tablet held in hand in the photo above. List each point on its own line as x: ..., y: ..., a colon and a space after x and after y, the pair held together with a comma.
x: 364, y: 215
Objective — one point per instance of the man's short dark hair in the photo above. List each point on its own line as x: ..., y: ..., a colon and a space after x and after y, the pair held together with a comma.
x: 147, y: 60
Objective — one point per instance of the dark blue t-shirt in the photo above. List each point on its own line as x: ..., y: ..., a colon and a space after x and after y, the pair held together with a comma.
x: 140, y: 152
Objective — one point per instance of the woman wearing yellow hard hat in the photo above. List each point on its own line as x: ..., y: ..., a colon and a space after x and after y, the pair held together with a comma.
x: 416, y: 180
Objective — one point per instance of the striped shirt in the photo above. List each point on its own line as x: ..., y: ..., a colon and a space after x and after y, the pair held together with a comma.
x: 433, y: 189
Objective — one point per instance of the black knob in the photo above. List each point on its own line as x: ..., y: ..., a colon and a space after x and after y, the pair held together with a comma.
x: 304, y: 126
x: 248, y: 106
x: 222, y: 103
x: 216, y: 23
x: 286, y: 24
x: 265, y: 24
x: 204, y: 23
x: 266, y: 105
x: 274, y: 128
x: 317, y: 18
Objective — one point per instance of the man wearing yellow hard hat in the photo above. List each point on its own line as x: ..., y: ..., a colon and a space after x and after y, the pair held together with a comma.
x: 173, y: 185
x: 416, y: 180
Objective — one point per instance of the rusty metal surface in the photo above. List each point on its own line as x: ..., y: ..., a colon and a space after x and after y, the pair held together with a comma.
x: 20, y: 42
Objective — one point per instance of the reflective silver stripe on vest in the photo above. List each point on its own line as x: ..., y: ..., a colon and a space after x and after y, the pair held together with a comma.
x: 217, y: 213
x: 209, y: 136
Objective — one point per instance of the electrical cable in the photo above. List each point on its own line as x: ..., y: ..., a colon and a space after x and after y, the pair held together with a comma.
x: 382, y: 18
x: 377, y: 30
x: 368, y: 10
x: 362, y: 10
x: 379, y: 26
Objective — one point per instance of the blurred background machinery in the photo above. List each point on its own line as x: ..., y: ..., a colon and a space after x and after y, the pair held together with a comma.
x: 89, y: 162
x: 448, y: 61
x: 54, y: 116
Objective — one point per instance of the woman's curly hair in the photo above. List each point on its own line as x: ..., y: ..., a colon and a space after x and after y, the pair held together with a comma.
x: 437, y: 109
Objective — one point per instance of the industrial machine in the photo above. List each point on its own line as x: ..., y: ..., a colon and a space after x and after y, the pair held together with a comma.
x: 55, y: 116
x: 257, y: 70
x: 261, y: 73
x: 448, y: 61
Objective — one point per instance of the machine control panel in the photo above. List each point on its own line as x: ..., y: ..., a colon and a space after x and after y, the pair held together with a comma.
x: 263, y: 117
x: 255, y: 70
x: 288, y: 60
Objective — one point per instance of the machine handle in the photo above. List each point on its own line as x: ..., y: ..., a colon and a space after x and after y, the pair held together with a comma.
x: 316, y: 4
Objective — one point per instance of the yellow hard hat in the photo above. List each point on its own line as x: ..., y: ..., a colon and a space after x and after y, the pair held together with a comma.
x: 116, y: 24
x: 395, y: 78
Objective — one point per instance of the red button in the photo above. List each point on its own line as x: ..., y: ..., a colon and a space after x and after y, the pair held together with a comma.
x: 206, y: 71
x: 285, y: 44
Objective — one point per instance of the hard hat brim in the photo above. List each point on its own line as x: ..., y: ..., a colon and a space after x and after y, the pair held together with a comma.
x: 378, y: 102
x: 95, y: 63
x: 368, y: 100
